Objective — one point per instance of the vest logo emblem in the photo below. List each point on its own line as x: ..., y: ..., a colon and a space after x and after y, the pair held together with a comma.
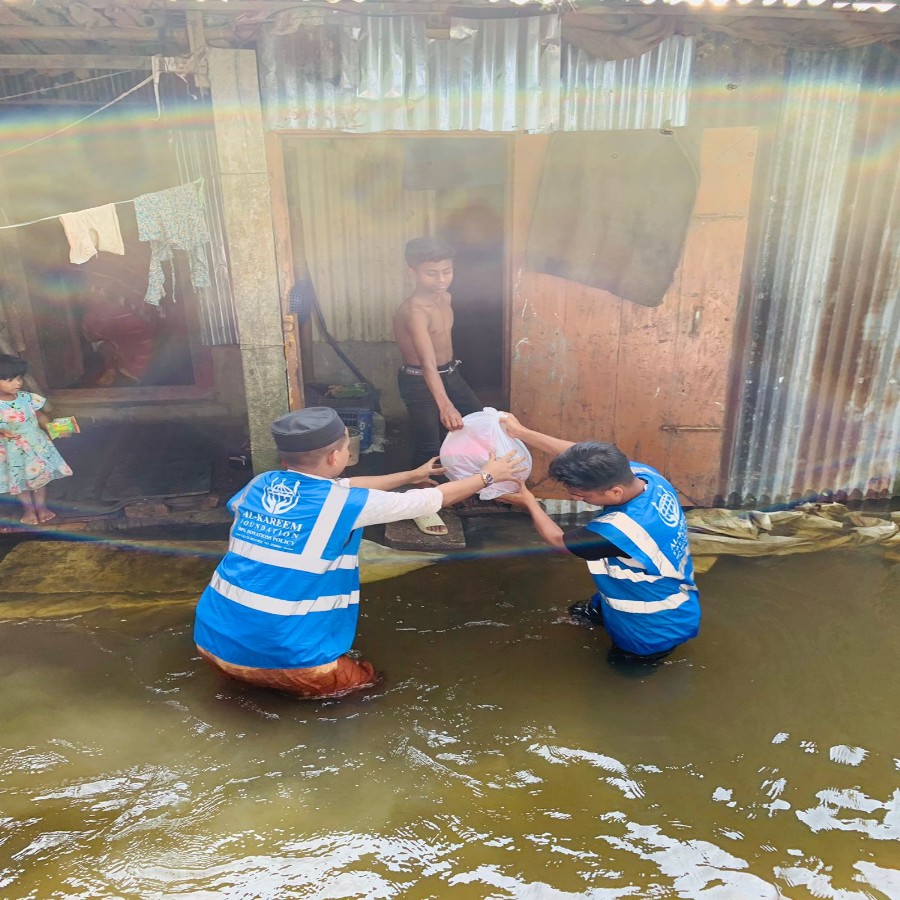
x: 667, y: 507
x: 279, y: 498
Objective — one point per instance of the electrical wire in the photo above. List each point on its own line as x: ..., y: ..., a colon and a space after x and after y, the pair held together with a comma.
x: 55, y: 87
x: 115, y: 203
x: 59, y: 131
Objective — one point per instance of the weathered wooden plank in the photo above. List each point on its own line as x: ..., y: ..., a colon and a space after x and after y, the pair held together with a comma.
x: 707, y: 311
x: 68, y: 61
x: 133, y: 34
x: 711, y: 265
x: 541, y: 381
x: 727, y: 158
x: 646, y: 366
x: 592, y: 323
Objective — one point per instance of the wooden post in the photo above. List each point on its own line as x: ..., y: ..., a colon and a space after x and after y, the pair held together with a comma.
x: 284, y: 254
x: 240, y: 145
x: 197, y: 40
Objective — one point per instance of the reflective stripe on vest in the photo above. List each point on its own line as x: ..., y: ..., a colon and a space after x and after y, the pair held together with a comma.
x: 673, y: 601
x: 281, y: 558
x: 278, y: 607
x: 644, y: 542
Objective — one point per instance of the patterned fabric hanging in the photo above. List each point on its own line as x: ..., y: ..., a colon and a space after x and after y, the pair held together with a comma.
x: 173, y: 219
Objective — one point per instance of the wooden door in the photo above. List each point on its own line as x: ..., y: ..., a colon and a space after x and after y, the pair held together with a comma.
x: 587, y: 364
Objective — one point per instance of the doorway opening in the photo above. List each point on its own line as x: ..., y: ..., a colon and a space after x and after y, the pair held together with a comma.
x: 355, y: 200
x: 472, y: 221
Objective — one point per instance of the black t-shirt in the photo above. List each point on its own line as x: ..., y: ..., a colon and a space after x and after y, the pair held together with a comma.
x: 589, y: 545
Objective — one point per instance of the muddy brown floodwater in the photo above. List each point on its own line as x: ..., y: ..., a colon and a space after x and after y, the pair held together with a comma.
x: 503, y: 757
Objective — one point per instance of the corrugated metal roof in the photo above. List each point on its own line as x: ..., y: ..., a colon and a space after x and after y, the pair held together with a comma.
x: 370, y: 74
x: 820, y: 410
x: 373, y: 73
x: 774, y: 4
x: 649, y: 91
x: 157, y: 26
x: 860, y: 6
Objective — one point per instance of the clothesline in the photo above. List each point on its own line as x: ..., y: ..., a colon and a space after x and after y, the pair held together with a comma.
x: 53, y: 134
x: 115, y: 203
x: 63, y: 84
x: 160, y: 64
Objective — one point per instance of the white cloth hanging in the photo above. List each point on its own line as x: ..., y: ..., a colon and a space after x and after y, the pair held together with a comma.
x: 91, y: 230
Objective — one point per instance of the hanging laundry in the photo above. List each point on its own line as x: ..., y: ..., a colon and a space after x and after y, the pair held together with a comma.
x: 92, y: 230
x: 173, y: 220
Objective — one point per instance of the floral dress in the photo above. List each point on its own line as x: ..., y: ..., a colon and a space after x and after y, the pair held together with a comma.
x: 29, y: 460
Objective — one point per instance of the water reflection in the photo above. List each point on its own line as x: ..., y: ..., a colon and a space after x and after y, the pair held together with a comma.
x: 501, y: 758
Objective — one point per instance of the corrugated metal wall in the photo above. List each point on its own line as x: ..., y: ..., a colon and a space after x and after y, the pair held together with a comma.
x: 820, y: 410
x: 356, y: 218
x: 375, y: 74
x: 368, y: 74
x: 195, y: 150
x: 646, y: 92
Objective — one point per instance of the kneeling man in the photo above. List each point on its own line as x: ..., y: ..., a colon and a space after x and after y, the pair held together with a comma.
x: 636, y: 547
x: 282, y: 606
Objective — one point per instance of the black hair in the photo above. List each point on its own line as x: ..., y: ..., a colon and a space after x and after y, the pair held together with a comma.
x: 427, y: 249
x: 11, y: 366
x: 592, y: 466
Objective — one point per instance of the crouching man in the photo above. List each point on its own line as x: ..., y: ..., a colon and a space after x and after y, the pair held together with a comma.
x: 282, y: 606
x: 636, y: 547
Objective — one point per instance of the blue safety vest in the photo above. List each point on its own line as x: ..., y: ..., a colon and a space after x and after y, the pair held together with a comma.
x: 286, y: 594
x: 649, y: 602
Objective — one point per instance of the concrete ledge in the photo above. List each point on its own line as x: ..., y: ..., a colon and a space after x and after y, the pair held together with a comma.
x: 64, y: 567
x: 90, y: 411
x: 406, y: 536
x: 474, y: 506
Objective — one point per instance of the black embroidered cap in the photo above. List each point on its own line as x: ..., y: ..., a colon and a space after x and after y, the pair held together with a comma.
x: 307, y: 429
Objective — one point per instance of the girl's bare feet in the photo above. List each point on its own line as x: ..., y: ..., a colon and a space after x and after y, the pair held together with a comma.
x: 45, y: 515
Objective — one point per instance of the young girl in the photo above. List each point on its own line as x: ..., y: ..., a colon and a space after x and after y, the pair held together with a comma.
x: 28, y: 459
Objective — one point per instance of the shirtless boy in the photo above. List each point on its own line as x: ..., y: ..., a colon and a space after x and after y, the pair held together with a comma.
x: 435, y: 393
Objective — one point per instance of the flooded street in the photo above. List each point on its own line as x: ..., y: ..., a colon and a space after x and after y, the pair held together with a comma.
x: 502, y: 757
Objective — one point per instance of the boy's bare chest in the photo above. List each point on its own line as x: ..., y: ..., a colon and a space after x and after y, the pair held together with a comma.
x: 440, y: 319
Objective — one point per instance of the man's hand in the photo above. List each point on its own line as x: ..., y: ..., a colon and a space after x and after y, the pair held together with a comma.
x: 450, y: 418
x: 426, y: 472
x: 511, y: 425
x: 522, y: 498
x: 507, y: 467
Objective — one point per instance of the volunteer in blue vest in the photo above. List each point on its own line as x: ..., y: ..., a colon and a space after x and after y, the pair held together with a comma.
x: 636, y: 547
x: 282, y: 605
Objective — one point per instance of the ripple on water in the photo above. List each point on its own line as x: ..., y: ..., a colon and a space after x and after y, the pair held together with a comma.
x: 849, y: 756
x: 488, y: 766
x: 882, y: 823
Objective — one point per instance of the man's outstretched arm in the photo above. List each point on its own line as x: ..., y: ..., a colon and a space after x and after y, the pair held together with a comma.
x: 581, y: 542
x: 515, y: 429
x: 424, y: 475
x: 549, y: 531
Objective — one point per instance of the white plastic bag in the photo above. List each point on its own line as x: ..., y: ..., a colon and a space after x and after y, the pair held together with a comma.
x: 466, y: 452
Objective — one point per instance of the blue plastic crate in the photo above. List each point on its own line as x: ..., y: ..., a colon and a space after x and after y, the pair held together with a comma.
x: 361, y: 420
